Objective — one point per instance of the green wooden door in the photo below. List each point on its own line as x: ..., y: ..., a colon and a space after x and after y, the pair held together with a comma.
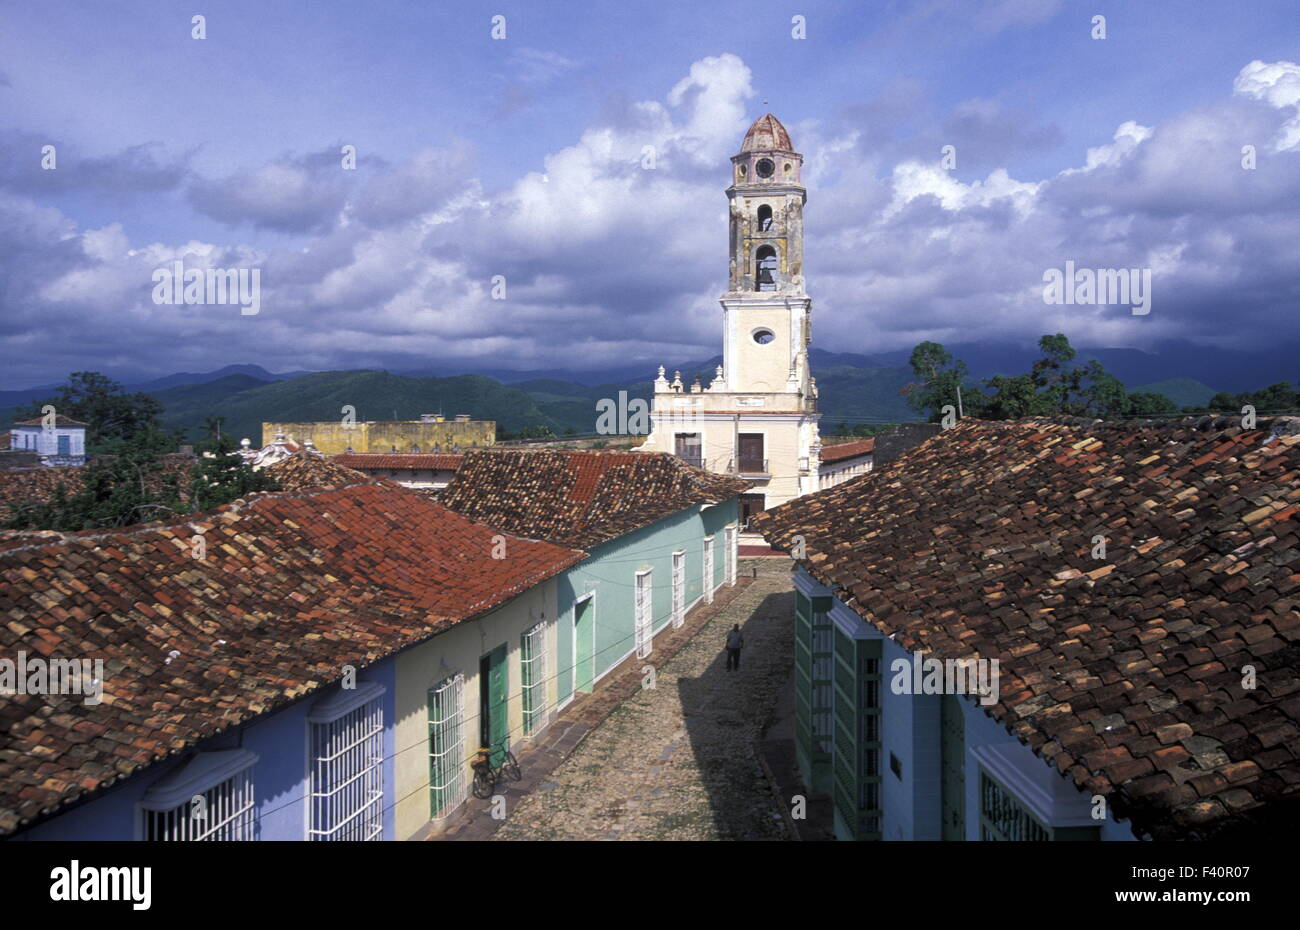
x: 952, y: 727
x: 494, y: 696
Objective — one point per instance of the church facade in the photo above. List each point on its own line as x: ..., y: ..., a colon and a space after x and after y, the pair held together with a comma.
x: 757, y: 417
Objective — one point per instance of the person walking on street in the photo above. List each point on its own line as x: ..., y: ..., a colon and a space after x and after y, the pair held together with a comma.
x: 735, y: 642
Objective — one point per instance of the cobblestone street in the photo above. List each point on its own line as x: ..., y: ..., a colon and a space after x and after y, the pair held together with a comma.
x: 679, y: 761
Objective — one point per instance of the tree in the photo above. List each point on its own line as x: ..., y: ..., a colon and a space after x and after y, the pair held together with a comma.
x: 940, y: 378
x: 1053, y: 387
x: 1146, y: 404
x: 1276, y: 398
x: 212, y: 426
x: 134, y: 485
x: 1013, y: 397
x: 130, y: 485
x: 223, y: 476
x: 110, y: 414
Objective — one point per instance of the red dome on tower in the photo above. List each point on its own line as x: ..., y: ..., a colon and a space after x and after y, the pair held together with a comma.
x: 767, y: 135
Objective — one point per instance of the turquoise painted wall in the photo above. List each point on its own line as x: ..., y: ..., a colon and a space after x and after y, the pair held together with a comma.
x: 609, y: 573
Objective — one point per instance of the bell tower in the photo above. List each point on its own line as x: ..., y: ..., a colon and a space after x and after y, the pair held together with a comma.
x: 757, y: 416
x: 766, y: 312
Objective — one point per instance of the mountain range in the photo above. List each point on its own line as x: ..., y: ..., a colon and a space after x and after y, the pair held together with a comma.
x: 854, y: 388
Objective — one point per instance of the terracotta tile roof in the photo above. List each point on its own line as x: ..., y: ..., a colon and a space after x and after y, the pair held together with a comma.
x: 847, y: 450
x: 579, y: 498
x: 22, y: 487
x: 293, y: 587
x: 1124, y: 672
x: 765, y: 135
x: 305, y: 469
x: 385, y: 460
x: 59, y: 420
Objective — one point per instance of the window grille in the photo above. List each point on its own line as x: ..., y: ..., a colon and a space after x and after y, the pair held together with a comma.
x: 730, y: 540
x: 644, y: 631
x: 823, y: 661
x: 210, y: 799
x: 533, y: 673
x: 708, y: 570
x: 679, y: 588
x: 1002, y: 817
x: 347, y: 776
x: 446, y: 746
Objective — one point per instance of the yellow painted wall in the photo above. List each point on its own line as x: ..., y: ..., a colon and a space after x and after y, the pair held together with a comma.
x: 333, y: 438
x: 459, y: 650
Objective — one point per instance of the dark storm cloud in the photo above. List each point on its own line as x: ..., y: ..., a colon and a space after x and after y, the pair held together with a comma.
x: 394, y: 264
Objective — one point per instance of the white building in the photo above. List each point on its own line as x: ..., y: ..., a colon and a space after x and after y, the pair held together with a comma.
x: 757, y: 418
x: 62, y: 442
x: 427, y: 470
x: 845, y: 460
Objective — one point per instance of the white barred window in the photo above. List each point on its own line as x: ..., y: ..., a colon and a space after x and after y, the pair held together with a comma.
x: 446, y: 746
x: 347, y: 759
x: 679, y: 587
x: 709, y: 586
x: 532, y: 663
x: 209, y: 798
x: 730, y: 541
x: 644, y: 616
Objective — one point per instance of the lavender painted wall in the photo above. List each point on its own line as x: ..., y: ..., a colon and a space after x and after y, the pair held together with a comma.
x: 280, y: 777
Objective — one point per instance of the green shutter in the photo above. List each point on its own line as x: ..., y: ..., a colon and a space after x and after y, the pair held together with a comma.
x: 813, y: 665
x: 856, y: 769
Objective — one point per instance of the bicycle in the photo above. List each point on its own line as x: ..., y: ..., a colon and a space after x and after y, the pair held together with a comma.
x: 486, y: 776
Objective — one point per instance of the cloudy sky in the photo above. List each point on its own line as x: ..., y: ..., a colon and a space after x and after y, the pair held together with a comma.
x: 522, y: 157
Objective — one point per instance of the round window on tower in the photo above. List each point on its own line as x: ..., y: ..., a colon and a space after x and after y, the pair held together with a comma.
x: 763, y: 336
x: 765, y: 167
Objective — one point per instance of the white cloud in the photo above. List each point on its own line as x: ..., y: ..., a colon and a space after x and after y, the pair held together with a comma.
x: 606, y: 261
x: 914, y: 179
x: 1127, y: 138
x: 1277, y: 84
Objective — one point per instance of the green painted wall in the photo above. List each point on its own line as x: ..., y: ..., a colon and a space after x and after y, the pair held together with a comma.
x: 610, y: 572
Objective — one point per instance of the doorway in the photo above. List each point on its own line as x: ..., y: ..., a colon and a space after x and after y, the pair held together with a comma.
x: 584, y: 628
x: 494, y: 694
x: 751, y: 505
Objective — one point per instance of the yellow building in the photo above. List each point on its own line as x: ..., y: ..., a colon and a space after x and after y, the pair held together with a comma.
x: 430, y: 433
x: 440, y: 683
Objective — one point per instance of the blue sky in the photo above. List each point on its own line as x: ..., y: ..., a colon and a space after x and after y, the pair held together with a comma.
x: 519, y: 157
